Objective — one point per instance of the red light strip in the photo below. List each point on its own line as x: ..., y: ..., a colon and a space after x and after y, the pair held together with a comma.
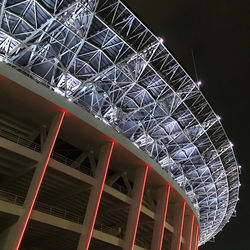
x: 191, y: 236
x: 40, y: 182
x: 99, y: 198
x: 139, y: 210
x: 182, y: 223
x: 197, y: 238
x: 165, y: 216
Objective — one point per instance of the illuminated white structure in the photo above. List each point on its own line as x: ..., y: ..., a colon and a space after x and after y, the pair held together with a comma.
x: 100, y: 57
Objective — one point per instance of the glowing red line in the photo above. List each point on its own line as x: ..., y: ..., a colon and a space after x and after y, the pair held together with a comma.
x: 165, y: 215
x: 197, y: 238
x: 100, y: 195
x: 40, y: 182
x: 139, y: 210
x: 191, y: 236
x: 182, y: 223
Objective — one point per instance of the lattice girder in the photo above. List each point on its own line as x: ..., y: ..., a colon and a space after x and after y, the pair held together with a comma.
x: 100, y: 56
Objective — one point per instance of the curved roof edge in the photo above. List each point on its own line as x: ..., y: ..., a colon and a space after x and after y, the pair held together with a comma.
x: 83, y: 115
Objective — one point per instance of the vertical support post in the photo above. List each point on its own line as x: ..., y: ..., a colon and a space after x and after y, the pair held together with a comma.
x: 16, y: 232
x: 197, y: 238
x: 42, y: 135
x: 95, y: 196
x: 188, y: 231
x: 160, y: 217
x: 195, y: 235
x: 178, y: 225
x: 135, y: 208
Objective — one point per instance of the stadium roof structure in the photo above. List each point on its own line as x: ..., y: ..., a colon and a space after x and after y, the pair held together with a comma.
x: 100, y: 56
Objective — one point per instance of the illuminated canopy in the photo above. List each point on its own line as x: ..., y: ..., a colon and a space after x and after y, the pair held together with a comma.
x: 100, y: 56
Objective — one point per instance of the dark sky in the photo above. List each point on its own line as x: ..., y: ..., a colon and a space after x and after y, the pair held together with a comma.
x: 218, y: 32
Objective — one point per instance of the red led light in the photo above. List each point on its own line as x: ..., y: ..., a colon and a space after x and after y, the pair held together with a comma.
x: 99, y: 198
x: 191, y: 236
x: 182, y: 223
x: 40, y: 182
x: 197, y: 238
x: 165, y: 215
x: 139, y: 210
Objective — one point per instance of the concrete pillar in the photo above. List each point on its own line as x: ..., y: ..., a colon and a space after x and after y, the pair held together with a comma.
x: 188, y: 231
x: 43, y: 135
x: 135, y: 207
x: 195, y: 236
x: 178, y: 222
x: 16, y: 232
x: 160, y: 217
x: 95, y: 196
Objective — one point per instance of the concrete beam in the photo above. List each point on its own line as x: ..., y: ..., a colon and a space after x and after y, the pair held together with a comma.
x: 195, y: 238
x: 126, y: 182
x: 160, y: 217
x: 148, y: 198
x: 16, y: 232
x: 178, y: 222
x: 135, y: 207
x: 43, y: 135
x: 76, y: 164
x: 188, y: 231
x: 112, y: 179
x: 95, y: 196
x: 19, y: 149
x: 70, y: 171
x: 92, y: 161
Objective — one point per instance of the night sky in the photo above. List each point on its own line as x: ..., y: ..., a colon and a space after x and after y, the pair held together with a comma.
x: 218, y: 32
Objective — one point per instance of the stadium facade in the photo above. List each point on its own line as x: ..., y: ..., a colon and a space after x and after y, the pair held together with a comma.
x: 105, y: 140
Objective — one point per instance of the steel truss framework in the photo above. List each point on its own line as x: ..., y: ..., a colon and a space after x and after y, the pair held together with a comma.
x: 100, y: 56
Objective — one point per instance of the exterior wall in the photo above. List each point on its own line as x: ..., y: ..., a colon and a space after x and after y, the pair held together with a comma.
x: 60, y: 176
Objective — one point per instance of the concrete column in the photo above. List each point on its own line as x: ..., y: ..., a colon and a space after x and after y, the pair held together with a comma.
x: 95, y: 196
x: 188, y: 231
x: 43, y: 135
x: 135, y: 207
x: 178, y: 223
x: 160, y: 217
x: 16, y: 232
x: 195, y: 236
